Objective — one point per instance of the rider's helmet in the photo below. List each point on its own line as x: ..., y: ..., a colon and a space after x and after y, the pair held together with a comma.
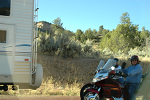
x: 117, y: 62
x: 116, y: 59
x: 135, y: 57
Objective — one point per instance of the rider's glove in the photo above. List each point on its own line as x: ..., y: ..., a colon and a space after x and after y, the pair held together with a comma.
x: 119, y: 73
x: 123, y: 65
x: 125, y: 75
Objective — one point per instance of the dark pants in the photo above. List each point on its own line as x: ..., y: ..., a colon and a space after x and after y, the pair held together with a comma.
x: 131, y: 89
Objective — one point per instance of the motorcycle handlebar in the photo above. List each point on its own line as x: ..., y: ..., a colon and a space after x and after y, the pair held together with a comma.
x: 121, y: 74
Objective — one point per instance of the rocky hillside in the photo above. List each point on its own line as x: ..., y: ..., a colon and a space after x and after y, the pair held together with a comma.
x: 43, y: 26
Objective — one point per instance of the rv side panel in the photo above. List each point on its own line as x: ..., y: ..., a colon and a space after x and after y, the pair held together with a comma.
x: 17, y: 55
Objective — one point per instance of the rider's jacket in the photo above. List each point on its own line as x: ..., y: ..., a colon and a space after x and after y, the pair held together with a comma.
x: 134, y: 73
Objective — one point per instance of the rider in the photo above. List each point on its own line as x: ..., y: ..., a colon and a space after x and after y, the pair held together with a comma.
x: 118, y: 67
x: 134, y: 75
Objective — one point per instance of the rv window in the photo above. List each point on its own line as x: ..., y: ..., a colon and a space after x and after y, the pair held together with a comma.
x: 2, y: 36
x: 5, y: 7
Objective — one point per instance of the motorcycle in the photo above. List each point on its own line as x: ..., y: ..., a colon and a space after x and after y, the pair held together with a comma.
x: 98, y: 76
x: 105, y: 87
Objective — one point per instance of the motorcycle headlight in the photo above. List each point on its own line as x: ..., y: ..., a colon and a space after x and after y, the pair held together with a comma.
x: 98, y: 79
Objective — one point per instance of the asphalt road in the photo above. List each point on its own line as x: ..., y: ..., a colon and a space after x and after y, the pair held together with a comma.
x: 40, y: 98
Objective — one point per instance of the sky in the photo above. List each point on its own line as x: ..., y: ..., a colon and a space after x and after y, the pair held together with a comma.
x: 85, y: 14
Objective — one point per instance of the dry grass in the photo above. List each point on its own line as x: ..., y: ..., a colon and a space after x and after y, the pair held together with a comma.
x: 69, y: 74
x: 65, y: 76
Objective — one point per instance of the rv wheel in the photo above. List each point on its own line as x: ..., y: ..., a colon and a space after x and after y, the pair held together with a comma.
x: 5, y: 87
x: 14, y: 87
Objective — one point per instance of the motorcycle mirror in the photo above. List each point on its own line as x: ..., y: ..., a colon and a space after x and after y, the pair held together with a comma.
x: 112, y: 68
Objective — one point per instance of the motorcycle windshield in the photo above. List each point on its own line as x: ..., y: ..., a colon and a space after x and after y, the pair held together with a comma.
x: 107, y: 67
x: 100, y: 65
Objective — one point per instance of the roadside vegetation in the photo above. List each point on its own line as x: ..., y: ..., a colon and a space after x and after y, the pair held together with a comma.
x: 66, y: 76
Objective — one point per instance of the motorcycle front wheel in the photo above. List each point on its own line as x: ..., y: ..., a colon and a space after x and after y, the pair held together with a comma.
x: 83, y: 89
x: 91, y: 96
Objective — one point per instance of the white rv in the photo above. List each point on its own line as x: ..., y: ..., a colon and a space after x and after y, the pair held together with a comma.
x: 18, y: 51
